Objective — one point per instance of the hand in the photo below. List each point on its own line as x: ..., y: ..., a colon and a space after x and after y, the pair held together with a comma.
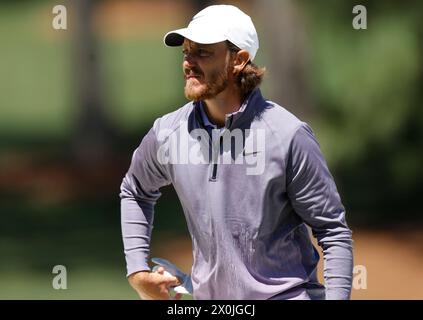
x: 185, y: 286
x: 154, y: 285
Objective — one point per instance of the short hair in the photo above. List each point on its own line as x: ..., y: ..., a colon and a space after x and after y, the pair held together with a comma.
x: 250, y: 77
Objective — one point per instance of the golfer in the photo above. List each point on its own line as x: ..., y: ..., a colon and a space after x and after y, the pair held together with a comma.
x: 250, y: 177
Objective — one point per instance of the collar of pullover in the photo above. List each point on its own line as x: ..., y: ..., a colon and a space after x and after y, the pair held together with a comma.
x: 252, y: 106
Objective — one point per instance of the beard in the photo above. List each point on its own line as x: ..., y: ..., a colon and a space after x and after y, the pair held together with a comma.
x: 214, y: 84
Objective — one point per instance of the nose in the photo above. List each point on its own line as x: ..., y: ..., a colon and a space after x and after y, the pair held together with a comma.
x: 189, y: 61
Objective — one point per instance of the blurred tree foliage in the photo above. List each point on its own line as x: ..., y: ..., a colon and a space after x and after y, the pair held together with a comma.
x: 365, y: 90
x: 367, y: 84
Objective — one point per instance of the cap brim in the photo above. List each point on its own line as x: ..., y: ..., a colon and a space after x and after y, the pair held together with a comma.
x: 175, y: 38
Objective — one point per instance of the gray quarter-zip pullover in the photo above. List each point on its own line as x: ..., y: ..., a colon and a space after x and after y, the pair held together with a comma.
x: 246, y: 209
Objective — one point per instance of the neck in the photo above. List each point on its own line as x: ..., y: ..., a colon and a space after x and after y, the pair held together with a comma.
x: 226, y: 102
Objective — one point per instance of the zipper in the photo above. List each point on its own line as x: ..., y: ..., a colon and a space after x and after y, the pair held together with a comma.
x: 214, y: 169
x: 214, y: 172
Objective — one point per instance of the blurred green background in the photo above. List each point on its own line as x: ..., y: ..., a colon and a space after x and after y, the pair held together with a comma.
x: 75, y: 103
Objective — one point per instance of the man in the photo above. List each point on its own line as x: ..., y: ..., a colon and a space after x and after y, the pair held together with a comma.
x: 250, y: 176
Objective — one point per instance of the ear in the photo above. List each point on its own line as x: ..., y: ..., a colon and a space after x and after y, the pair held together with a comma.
x: 241, y: 59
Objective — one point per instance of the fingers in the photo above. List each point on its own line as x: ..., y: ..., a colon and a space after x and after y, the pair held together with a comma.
x: 177, y: 296
x: 167, y: 282
x: 164, y: 293
x: 154, y: 285
x: 160, y: 270
x: 161, y: 292
x: 169, y: 279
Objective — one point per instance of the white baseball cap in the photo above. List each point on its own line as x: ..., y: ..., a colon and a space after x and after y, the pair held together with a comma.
x: 215, y: 24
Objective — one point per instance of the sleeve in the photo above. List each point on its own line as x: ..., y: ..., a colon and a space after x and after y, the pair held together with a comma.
x: 139, y: 192
x: 315, y: 199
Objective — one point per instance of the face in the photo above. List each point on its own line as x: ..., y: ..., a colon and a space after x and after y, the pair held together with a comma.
x: 207, y: 69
